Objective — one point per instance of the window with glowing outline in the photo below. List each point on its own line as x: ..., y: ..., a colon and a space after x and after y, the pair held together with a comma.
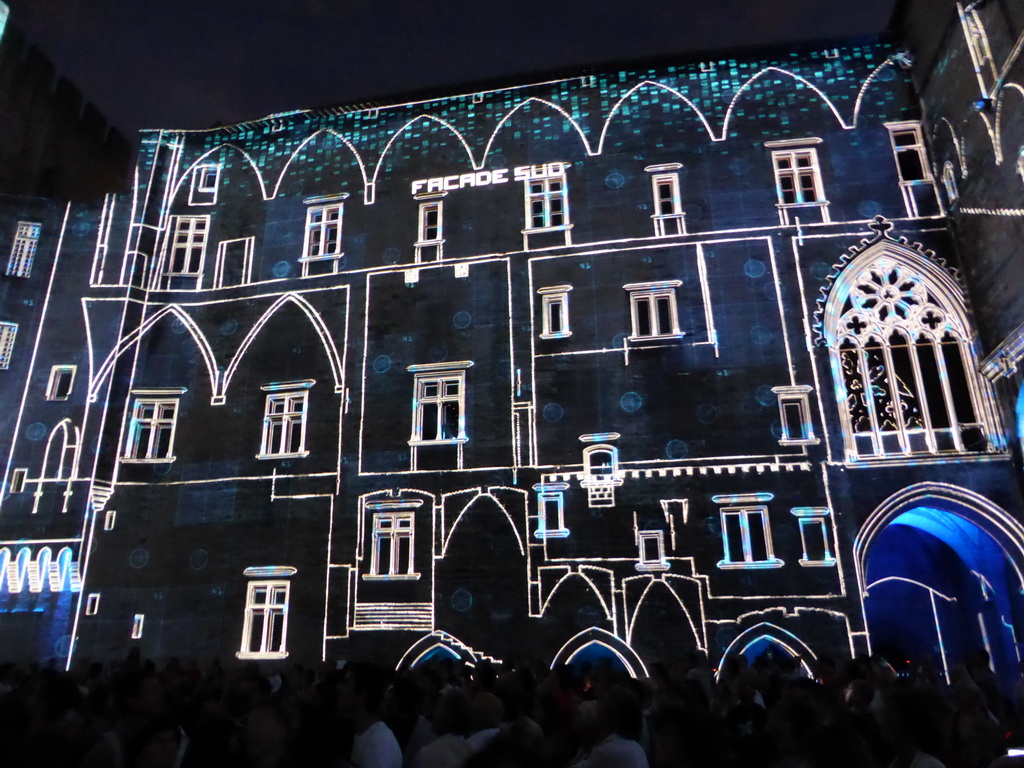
x: 8, y: 332
x: 651, y: 545
x: 430, y: 232
x: 950, y: 185
x: 798, y: 178
x: 668, y: 206
x: 393, y: 545
x: 551, y: 511
x: 23, y: 249
x: 555, y: 312
x: 151, y: 430
x: 62, y: 379
x: 322, y: 250
x: 547, y: 203
x: 747, y: 538
x: 187, y: 248
x: 653, y: 310
x: 204, y: 185
x: 284, y: 425
x: 265, y: 627
x: 439, y: 408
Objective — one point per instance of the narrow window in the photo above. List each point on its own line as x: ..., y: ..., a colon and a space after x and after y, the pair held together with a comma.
x: 137, y: 626
x: 653, y: 309
x: 186, y: 250
x: 393, y: 545
x: 265, y: 627
x: 652, y: 551
x: 817, y: 550
x: 204, y: 185
x: 109, y: 520
x: 949, y: 183
x: 555, y: 311
x: 795, y: 415
x: 1020, y: 164
x: 798, y: 184
x: 551, y: 511
x: 668, y: 207
x: 322, y: 251
x: 430, y: 233
x: 62, y: 378
x: 23, y: 250
x: 234, y: 262
x: 601, y: 474
x: 18, y: 477
x: 284, y: 420
x: 151, y: 430
x: 92, y: 604
x: 916, y: 183
x: 7, y: 333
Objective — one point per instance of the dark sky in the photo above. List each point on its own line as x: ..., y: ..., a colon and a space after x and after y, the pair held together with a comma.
x: 191, y: 63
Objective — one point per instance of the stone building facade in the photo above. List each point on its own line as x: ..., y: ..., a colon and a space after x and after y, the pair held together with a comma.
x: 660, y: 359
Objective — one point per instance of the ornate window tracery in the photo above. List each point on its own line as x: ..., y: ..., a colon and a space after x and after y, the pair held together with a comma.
x: 904, y: 370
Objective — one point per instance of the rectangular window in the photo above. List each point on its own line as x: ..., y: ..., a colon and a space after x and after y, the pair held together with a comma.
x: 7, y: 333
x: 795, y: 415
x: 92, y: 604
x: 137, y: 626
x: 264, y: 631
x: 652, y: 551
x: 23, y: 250
x: 151, y: 430
x: 547, y: 205
x: 18, y: 477
x: 653, y: 309
x: 392, y: 554
x: 204, y: 185
x: 555, y: 309
x: 551, y: 511
x: 430, y: 222
x: 797, y: 177
x: 322, y: 250
x: 284, y: 423
x: 109, y: 520
x: 187, y: 246
x: 917, y: 184
x: 668, y: 207
x: 746, y: 538
x: 817, y: 550
x: 62, y: 378
x: 234, y: 262
x: 438, y: 408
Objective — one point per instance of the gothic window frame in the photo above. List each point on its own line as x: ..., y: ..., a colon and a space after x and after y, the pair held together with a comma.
x: 23, y: 249
x: 891, y: 291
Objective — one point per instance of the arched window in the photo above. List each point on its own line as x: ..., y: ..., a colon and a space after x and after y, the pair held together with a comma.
x: 904, y: 370
x: 601, y: 474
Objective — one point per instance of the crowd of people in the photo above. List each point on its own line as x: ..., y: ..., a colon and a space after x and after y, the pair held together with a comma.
x: 776, y: 712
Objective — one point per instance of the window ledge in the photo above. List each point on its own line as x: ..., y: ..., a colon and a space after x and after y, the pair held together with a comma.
x: 652, y: 567
x: 728, y: 565
x: 813, y: 204
x: 428, y: 243
x: 565, y: 335
x: 453, y: 441
x: 551, y: 533
x: 327, y: 257
x: 257, y: 655
x: 300, y: 455
x: 828, y: 562
x: 132, y: 460
x: 536, y: 230
x: 799, y: 441
x: 659, y: 337
x: 390, y: 577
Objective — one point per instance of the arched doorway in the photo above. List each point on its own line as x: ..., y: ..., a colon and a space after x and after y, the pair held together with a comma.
x: 940, y: 575
x: 596, y: 645
x: 771, y: 640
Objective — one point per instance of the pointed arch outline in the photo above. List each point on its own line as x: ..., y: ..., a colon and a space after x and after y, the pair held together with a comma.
x: 39, y: 570
x: 465, y: 509
x: 998, y: 138
x: 60, y: 572
x: 799, y: 78
x: 400, y: 131
x: 889, y: 62
x: 935, y: 278
x: 307, y: 140
x: 136, y: 335
x: 436, y: 640
x: 957, y: 145
x: 595, y: 635
x: 65, y: 445
x: 17, y: 570
x: 318, y: 325
x: 686, y: 612
x: 181, y: 179
x: 618, y: 104
x: 990, y: 518
x: 525, y: 102
x: 589, y: 582
x: 990, y: 130
x: 776, y: 634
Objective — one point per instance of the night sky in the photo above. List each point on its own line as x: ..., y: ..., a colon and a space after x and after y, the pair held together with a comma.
x: 193, y: 63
